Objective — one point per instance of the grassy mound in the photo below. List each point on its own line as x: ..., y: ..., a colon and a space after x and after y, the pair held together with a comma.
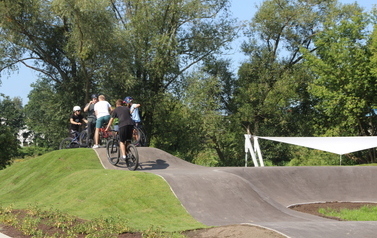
x: 73, y: 181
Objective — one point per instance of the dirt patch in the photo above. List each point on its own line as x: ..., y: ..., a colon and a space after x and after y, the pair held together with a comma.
x: 239, y: 231
x: 313, y: 208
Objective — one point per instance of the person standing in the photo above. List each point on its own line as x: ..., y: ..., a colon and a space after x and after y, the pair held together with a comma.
x: 125, y: 123
x: 134, y: 109
x: 102, y: 110
x: 91, y: 117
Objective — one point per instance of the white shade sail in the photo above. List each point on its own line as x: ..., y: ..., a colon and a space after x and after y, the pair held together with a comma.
x: 337, y: 145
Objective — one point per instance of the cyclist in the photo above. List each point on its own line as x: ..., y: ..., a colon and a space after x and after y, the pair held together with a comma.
x: 125, y: 123
x: 91, y: 115
x: 76, y: 120
x: 102, y: 110
x: 134, y: 108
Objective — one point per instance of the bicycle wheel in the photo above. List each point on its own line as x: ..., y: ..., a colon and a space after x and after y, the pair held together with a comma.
x: 143, y: 138
x: 84, y: 139
x: 132, y: 160
x: 67, y: 143
x: 113, y: 151
x: 136, y: 135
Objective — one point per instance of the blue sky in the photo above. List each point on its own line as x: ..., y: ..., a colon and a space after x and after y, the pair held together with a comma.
x: 18, y: 84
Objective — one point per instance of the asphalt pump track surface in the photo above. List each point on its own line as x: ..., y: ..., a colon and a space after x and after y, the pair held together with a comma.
x: 261, y: 196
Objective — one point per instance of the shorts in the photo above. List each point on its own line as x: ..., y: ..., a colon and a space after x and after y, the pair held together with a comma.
x: 102, y: 120
x: 125, y: 133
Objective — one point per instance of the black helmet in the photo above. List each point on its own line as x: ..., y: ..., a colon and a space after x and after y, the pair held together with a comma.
x: 94, y: 96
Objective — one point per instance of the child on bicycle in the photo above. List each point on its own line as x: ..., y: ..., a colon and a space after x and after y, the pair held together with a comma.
x: 76, y: 120
x: 125, y: 123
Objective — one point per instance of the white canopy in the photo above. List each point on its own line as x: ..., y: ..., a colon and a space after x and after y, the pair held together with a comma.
x: 337, y: 145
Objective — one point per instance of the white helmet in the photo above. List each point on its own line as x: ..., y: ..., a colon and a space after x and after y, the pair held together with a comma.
x: 76, y: 108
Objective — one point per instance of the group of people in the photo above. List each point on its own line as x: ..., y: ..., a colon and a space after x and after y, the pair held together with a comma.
x: 100, y: 113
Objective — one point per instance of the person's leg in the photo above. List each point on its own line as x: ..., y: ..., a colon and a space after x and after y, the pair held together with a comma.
x: 122, y: 139
x: 96, y: 133
x: 129, y: 132
x: 96, y: 136
x: 122, y: 149
x: 91, y: 128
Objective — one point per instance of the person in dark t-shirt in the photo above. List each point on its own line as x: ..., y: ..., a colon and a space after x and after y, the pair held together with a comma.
x: 76, y: 120
x: 125, y: 123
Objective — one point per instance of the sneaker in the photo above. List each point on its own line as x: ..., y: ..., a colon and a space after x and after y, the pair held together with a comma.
x: 95, y: 146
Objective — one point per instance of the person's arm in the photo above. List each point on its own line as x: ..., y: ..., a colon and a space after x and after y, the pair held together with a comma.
x: 86, y: 108
x: 110, y: 123
x: 110, y: 108
x: 86, y: 121
x: 134, y: 106
x: 73, y: 122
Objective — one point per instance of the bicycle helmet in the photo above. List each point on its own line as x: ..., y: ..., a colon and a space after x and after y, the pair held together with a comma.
x: 128, y: 99
x: 76, y: 108
x: 94, y: 96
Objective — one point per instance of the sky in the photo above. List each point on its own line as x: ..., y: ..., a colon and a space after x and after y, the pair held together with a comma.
x: 19, y: 83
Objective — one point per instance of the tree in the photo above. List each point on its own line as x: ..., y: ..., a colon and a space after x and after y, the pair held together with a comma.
x: 46, y: 115
x: 11, y: 122
x: 271, y: 96
x: 12, y: 114
x: 343, y: 79
x: 343, y: 76
x: 9, y: 146
x: 164, y: 39
x: 112, y: 47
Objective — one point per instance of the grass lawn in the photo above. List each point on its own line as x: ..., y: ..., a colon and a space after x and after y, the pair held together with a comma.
x: 365, y: 213
x: 74, y: 182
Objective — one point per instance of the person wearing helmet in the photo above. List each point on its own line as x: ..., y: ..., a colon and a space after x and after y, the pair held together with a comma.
x: 76, y: 120
x: 91, y: 117
x: 134, y: 109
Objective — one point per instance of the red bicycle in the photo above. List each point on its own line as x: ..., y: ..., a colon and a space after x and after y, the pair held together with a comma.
x: 104, y: 135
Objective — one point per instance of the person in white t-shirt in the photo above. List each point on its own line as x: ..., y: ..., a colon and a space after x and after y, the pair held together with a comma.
x: 102, y: 110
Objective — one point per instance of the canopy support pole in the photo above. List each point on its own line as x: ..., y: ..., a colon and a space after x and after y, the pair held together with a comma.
x: 254, y: 151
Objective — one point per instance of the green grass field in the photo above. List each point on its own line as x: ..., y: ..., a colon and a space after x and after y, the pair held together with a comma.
x: 365, y: 213
x: 74, y: 182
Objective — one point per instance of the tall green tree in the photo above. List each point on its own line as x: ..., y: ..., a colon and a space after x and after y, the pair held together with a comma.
x: 273, y: 80
x: 164, y: 39
x: 46, y: 115
x: 9, y: 146
x: 12, y: 114
x: 208, y: 96
x: 11, y: 123
x: 344, y: 80
x: 272, y: 97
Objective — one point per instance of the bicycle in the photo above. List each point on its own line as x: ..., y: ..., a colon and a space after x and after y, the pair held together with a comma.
x: 104, y: 136
x: 85, y: 141
x: 73, y: 142
x: 139, y: 137
x: 113, y: 153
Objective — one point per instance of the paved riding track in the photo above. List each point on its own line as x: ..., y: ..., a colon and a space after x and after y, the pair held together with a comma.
x: 219, y: 196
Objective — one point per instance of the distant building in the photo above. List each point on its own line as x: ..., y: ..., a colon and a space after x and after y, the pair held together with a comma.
x: 25, y: 136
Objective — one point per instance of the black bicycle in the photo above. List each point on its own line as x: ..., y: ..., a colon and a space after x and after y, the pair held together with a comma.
x: 113, y: 153
x: 139, y: 137
x: 78, y: 140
